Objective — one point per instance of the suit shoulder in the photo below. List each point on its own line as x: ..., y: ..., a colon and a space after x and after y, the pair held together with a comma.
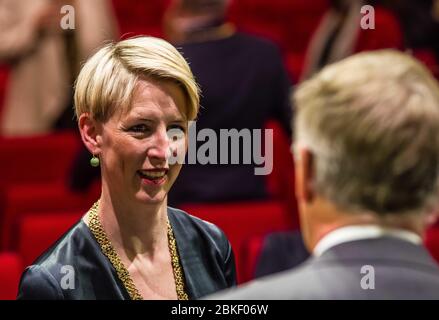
x: 290, y: 284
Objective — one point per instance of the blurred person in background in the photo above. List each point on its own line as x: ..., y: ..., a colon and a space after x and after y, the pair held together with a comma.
x: 340, y: 34
x: 367, y: 177
x: 44, y: 58
x: 243, y: 83
x: 420, y: 24
x: 133, y: 102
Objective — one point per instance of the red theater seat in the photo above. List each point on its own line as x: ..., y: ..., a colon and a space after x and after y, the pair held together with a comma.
x: 35, y: 198
x: 289, y: 23
x: 250, y: 253
x: 3, y: 84
x: 428, y: 57
x: 280, y: 182
x: 432, y: 241
x: 45, y: 158
x: 242, y: 221
x: 10, y: 272
x: 38, y: 232
x: 33, y: 172
x: 140, y: 17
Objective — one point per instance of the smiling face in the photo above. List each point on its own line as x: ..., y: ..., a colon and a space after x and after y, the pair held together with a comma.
x: 135, y: 145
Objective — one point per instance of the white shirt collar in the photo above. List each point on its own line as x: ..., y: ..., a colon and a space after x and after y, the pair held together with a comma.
x: 352, y: 233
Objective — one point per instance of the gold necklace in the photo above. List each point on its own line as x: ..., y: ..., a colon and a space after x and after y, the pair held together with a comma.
x: 107, y: 248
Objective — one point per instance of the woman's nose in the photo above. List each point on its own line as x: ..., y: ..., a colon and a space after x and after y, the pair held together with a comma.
x: 160, y: 148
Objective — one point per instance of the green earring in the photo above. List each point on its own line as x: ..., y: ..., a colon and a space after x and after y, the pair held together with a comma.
x: 94, y: 161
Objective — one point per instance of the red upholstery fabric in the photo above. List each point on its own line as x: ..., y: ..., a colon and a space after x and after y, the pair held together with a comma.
x: 389, y: 36
x: 427, y: 57
x: 280, y: 182
x: 250, y: 252
x: 241, y: 221
x: 3, y: 84
x: 10, y: 272
x: 33, y: 172
x: 38, y: 232
x: 289, y: 23
x: 432, y: 241
x: 140, y: 17
x: 37, y: 159
x: 35, y: 198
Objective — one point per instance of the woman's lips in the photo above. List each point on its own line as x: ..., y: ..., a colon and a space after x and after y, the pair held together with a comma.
x: 156, y: 182
x: 153, y: 177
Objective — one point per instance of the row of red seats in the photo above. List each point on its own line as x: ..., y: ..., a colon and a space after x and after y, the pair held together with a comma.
x: 34, y: 173
x: 288, y: 23
x: 36, y: 207
x: 284, y: 16
x: 33, y: 205
x: 36, y: 233
x: 240, y: 221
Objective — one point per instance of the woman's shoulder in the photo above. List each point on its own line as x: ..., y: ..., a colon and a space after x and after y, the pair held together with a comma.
x: 193, y: 228
x: 190, y: 220
x: 65, y: 250
x: 203, y: 243
x: 42, y: 279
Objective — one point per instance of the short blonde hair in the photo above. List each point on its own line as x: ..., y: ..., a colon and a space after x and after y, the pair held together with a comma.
x: 108, y: 79
x: 372, y: 121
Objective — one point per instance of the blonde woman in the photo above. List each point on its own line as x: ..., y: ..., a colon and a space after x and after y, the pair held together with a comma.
x: 133, y: 101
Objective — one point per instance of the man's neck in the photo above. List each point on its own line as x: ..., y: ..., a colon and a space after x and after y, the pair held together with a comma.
x: 362, y: 232
x: 324, y: 217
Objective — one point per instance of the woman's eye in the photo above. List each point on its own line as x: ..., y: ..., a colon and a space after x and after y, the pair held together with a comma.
x: 140, y: 128
x: 176, y: 132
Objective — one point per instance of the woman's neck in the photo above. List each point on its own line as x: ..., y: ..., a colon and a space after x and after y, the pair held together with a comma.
x: 134, y: 228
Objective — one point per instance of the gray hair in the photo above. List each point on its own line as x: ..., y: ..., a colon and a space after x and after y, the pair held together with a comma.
x: 372, y: 122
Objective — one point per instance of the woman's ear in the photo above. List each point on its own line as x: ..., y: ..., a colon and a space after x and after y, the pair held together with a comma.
x: 90, y: 131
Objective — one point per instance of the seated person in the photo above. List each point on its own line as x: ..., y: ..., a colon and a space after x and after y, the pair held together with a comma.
x: 340, y: 34
x: 243, y: 84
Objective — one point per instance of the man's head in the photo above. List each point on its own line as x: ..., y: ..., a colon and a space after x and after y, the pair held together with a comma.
x: 367, y: 140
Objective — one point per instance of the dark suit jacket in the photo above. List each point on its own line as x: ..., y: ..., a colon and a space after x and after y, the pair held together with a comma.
x: 280, y: 251
x: 402, y: 270
x: 206, y: 258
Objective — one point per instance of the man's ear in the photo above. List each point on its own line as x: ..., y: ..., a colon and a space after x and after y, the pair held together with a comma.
x: 305, y: 175
x: 90, y: 131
